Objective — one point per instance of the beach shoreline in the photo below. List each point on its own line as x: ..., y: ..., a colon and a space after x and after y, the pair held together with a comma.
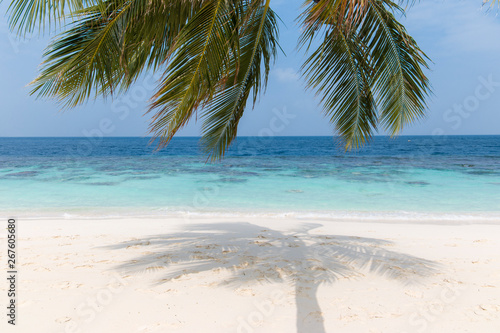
x: 398, y: 217
x: 256, y: 274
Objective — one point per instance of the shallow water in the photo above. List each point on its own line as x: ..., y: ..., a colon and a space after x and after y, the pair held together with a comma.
x: 283, y: 175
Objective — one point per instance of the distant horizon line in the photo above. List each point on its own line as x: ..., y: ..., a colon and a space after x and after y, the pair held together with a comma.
x: 242, y: 136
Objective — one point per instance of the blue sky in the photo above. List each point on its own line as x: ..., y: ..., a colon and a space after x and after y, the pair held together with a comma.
x: 460, y: 37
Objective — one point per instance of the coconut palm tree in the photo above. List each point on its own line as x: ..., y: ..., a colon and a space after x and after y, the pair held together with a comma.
x: 215, y: 55
x: 253, y: 254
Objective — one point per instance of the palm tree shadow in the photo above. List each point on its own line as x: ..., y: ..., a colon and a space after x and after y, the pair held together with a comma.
x: 255, y: 254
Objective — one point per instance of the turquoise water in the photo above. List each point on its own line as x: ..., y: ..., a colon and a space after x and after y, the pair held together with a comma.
x: 290, y: 175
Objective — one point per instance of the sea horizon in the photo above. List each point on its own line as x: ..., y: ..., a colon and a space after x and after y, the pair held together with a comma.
x: 180, y: 136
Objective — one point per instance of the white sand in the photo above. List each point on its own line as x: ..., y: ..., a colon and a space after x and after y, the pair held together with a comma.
x: 255, y: 275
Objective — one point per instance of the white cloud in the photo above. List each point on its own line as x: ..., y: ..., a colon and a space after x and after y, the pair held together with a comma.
x: 286, y: 74
x: 455, y: 26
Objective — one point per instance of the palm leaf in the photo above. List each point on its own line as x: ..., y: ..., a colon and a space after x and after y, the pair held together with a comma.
x: 400, y: 85
x: 197, y: 66
x: 340, y: 71
x: 106, y: 51
x: 27, y: 14
x: 84, y: 59
x: 258, y: 45
x: 492, y: 2
x: 368, y: 70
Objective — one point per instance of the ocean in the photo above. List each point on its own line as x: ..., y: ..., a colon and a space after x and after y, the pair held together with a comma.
x: 409, y: 176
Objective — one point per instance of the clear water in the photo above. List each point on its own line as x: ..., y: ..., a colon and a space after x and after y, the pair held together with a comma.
x: 283, y: 175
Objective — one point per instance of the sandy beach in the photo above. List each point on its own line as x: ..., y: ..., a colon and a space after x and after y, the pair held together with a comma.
x: 250, y: 166
x: 255, y: 275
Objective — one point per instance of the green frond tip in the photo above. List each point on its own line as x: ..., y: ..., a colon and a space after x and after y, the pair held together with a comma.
x: 491, y: 2
x: 215, y: 68
x: 368, y: 71
x: 257, y: 45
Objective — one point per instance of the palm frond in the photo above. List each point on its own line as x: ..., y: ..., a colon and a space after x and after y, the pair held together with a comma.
x: 339, y: 70
x: 84, y: 58
x: 199, y: 62
x: 342, y: 14
x: 258, y: 44
x: 491, y: 2
x: 368, y: 70
x: 106, y: 51
x: 399, y: 82
x: 26, y: 15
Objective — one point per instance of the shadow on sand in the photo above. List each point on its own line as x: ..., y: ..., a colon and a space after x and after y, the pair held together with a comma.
x: 256, y: 254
